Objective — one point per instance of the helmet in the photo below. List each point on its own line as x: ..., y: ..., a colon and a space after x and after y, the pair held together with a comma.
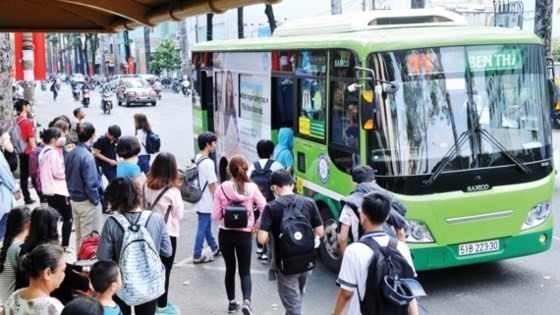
x: 401, y: 291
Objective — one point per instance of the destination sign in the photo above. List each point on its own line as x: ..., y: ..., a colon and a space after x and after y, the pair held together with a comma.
x: 485, y: 60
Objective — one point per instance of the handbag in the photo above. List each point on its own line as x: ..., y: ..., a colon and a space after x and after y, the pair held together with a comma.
x: 12, y: 159
x: 235, y: 214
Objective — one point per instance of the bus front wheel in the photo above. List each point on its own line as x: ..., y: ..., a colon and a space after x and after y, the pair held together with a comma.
x: 329, y: 244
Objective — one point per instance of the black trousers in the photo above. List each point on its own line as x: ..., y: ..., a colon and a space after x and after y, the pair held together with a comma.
x: 63, y: 206
x: 168, y: 264
x: 148, y: 308
x: 236, y: 248
x: 24, y: 176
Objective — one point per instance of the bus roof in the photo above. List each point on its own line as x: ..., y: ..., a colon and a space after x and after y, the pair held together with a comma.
x: 379, y: 39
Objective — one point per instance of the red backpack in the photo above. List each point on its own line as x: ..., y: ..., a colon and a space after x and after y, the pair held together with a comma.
x: 88, y: 250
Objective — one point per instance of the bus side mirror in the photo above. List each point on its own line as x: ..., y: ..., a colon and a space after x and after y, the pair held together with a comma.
x: 367, y: 110
x: 552, y: 96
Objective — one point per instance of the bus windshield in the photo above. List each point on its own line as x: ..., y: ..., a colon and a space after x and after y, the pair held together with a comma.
x: 466, y: 107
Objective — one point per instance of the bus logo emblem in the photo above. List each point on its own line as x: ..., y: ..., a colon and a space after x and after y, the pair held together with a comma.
x: 479, y: 187
x: 323, y: 168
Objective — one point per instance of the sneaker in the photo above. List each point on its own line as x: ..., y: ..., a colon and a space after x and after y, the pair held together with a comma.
x: 263, y: 257
x: 169, y: 309
x: 217, y: 252
x: 247, y: 308
x: 30, y: 201
x: 233, y: 307
x: 259, y: 251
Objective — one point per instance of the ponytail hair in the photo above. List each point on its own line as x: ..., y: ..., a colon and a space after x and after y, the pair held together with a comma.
x: 18, y: 217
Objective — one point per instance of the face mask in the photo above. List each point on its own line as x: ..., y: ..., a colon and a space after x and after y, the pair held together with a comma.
x: 60, y: 142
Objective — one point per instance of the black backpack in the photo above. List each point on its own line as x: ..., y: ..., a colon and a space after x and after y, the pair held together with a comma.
x: 372, y: 301
x: 153, y: 143
x: 261, y: 177
x: 296, y: 241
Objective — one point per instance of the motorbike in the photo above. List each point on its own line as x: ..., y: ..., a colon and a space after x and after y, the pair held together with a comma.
x: 186, y: 91
x: 107, y: 102
x: 158, y: 92
x: 76, y: 93
x: 176, y: 88
x: 43, y: 85
x: 85, y: 97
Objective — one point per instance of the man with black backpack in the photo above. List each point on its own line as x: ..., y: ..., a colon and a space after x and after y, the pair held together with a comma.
x: 363, y: 177
x: 376, y: 285
x: 292, y: 224
x: 259, y: 172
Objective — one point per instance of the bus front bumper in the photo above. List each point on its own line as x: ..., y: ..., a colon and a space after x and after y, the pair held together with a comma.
x: 427, y: 257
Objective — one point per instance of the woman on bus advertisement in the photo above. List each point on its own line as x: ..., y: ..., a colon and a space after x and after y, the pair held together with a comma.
x: 230, y: 110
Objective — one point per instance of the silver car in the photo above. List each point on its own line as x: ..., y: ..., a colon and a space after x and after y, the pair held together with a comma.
x: 135, y: 90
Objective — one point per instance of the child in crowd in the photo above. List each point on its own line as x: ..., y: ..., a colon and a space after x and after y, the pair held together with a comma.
x: 105, y: 278
x: 128, y: 149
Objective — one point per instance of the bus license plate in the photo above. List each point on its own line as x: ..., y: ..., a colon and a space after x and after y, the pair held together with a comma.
x: 479, y: 247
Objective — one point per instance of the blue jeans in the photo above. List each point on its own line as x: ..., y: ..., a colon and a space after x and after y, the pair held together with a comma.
x: 3, y: 222
x: 144, y: 163
x: 204, y: 231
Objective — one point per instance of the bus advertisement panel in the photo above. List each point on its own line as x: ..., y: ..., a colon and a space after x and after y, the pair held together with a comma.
x: 242, y: 111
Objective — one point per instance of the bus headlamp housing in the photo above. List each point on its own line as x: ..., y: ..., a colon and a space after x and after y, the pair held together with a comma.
x: 417, y: 232
x: 537, y: 215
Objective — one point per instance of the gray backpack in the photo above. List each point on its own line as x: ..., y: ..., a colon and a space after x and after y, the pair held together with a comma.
x: 143, y: 273
x: 190, y: 184
x: 17, y: 139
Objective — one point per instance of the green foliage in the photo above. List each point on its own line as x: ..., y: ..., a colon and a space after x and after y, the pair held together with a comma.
x: 166, y: 57
x: 556, y: 50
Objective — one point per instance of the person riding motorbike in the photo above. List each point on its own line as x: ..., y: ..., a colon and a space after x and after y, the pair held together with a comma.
x: 158, y: 88
x: 186, y: 84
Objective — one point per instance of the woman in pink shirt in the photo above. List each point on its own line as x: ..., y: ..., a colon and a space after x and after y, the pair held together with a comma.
x: 161, y: 194
x: 237, y: 241
x: 53, y: 180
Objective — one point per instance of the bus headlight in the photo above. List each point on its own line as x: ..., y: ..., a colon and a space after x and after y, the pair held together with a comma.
x: 417, y: 232
x: 537, y: 215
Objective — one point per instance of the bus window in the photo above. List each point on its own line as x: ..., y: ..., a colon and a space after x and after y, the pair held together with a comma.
x: 311, y: 107
x: 282, y: 102
x: 207, y: 97
x: 345, y: 129
x: 311, y: 72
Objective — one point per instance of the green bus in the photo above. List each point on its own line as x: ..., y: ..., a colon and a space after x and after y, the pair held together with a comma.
x: 454, y: 119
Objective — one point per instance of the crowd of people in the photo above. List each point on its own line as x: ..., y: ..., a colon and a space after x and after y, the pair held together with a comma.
x: 145, y: 204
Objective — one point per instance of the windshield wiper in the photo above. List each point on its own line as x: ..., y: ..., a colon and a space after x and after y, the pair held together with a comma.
x: 450, y: 155
x: 490, y: 138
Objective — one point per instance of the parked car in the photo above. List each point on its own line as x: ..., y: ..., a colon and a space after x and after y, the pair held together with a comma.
x: 135, y: 90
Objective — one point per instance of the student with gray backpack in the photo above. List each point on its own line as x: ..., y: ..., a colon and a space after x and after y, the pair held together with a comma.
x: 161, y: 195
x: 135, y: 239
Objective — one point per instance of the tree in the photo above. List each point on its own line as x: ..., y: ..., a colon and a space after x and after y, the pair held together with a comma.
x: 270, y: 16
x: 543, y: 22
x: 166, y: 57
x: 6, y: 105
x: 417, y: 4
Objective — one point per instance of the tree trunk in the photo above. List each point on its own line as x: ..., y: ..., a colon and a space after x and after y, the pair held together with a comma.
x: 336, y: 7
x: 116, y: 60
x: 28, y: 65
x: 185, y: 64
x: 209, y: 26
x: 417, y: 4
x: 270, y: 16
x: 147, y: 47
x: 6, y: 105
x: 543, y: 23
x: 84, y: 51
x: 240, y: 33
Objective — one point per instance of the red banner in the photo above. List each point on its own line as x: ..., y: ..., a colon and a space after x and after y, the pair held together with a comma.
x: 39, y: 57
x: 40, y: 66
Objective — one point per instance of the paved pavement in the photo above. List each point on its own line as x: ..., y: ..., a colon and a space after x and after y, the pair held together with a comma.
x: 527, y: 285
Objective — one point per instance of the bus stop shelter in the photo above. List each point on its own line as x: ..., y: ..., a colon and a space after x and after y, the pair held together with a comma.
x: 104, y: 16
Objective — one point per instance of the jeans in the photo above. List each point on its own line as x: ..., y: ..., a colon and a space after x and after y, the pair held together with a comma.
x: 236, y: 248
x: 168, y: 264
x: 144, y: 163
x: 291, y: 289
x: 3, y: 222
x: 204, y: 231
x: 24, y: 176
x: 110, y: 172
